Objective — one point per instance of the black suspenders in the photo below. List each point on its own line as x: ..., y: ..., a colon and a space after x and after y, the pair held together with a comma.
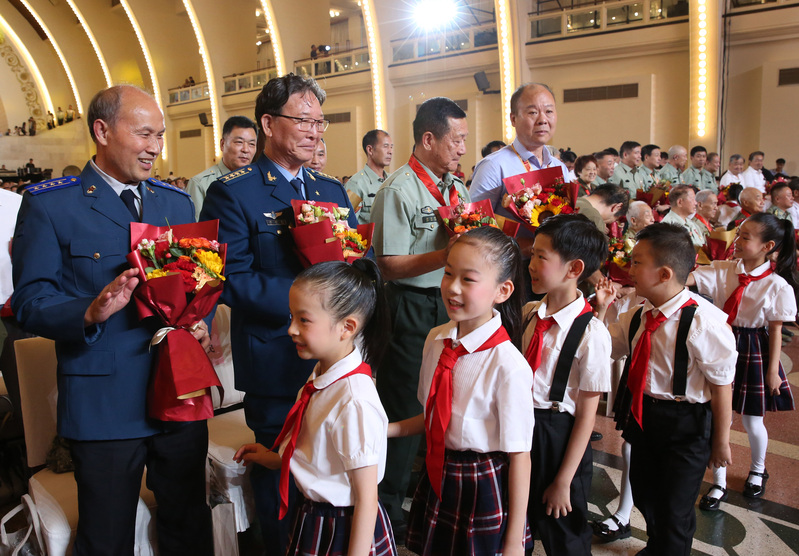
x: 563, y: 367
x: 624, y: 398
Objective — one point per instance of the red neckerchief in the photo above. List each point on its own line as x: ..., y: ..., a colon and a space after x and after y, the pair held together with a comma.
x: 293, y: 424
x: 533, y: 352
x: 705, y: 222
x: 422, y: 174
x: 438, y: 409
x: 734, y: 301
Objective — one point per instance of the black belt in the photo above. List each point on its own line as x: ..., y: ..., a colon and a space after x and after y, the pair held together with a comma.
x: 421, y: 291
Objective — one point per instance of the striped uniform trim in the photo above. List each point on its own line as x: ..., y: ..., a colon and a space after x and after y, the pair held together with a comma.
x: 158, y: 183
x: 749, y: 396
x: 471, y: 517
x: 236, y: 174
x: 52, y: 185
x: 321, y: 529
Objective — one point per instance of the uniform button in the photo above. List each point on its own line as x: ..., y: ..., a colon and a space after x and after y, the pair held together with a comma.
x: 96, y: 256
x: 279, y: 232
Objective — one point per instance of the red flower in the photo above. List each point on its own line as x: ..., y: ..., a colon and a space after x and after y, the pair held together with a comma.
x: 186, y: 268
x: 161, y: 250
x: 196, y: 242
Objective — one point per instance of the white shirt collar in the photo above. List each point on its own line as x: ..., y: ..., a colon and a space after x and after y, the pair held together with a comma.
x: 473, y: 340
x: 337, y: 370
x: 739, y: 268
x: 671, y: 306
x: 567, y: 314
x: 115, y: 184
x: 527, y: 155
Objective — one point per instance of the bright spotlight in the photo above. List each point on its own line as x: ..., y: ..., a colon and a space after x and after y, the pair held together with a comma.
x: 434, y: 14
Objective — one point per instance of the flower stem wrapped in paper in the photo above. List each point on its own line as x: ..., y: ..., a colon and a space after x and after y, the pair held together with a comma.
x: 718, y: 247
x: 461, y: 218
x: 535, y: 196
x: 321, y: 233
x: 180, y: 268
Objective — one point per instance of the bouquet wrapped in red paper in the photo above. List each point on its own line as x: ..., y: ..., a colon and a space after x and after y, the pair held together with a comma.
x: 461, y: 218
x: 618, y: 262
x: 718, y: 247
x: 321, y: 233
x: 658, y: 194
x: 535, y: 196
x: 180, y: 269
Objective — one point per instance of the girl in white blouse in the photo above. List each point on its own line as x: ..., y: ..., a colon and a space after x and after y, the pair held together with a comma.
x: 476, y: 388
x: 334, y: 438
x: 758, y: 297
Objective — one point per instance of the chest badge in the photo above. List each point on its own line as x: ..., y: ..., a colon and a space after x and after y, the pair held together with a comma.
x: 270, y: 177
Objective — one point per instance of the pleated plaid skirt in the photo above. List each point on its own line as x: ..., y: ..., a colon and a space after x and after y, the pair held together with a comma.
x: 471, y: 518
x: 321, y: 529
x: 749, y: 392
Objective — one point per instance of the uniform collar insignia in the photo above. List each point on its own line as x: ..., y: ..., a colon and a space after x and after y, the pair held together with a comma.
x: 270, y: 177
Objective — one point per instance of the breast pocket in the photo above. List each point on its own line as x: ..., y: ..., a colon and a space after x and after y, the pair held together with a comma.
x: 96, y: 262
x: 271, y: 242
x: 425, y: 228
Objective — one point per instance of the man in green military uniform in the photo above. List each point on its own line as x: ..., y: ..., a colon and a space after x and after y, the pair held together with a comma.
x: 363, y: 186
x: 682, y: 200
x: 650, y: 159
x: 678, y: 156
x: 627, y: 173
x: 696, y: 175
x: 411, y: 249
x: 605, y: 164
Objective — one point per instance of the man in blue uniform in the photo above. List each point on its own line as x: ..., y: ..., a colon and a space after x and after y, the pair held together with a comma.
x: 253, y: 205
x: 71, y: 285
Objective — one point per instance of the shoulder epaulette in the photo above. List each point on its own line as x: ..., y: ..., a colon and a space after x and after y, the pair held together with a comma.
x: 155, y: 182
x: 236, y: 174
x: 314, y: 173
x: 52, y: 185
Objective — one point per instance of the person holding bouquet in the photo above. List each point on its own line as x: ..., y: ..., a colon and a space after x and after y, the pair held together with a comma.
x: 253, y: 205
x: 71, y: 285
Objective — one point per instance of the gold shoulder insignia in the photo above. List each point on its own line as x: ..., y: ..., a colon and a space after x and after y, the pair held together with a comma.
x: 270, y: 177
x: 310, y: 175
x: 52, y: 185
x: 236, y: 174
x: 164, y: 185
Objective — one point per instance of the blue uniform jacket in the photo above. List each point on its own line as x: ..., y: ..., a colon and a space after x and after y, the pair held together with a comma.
x: 71, y: 240
x: 253, y: 205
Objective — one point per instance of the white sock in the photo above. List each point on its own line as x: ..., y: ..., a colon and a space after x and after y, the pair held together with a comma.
x: 720, y: 479
x: 625, y: 494
x: 758, y: 442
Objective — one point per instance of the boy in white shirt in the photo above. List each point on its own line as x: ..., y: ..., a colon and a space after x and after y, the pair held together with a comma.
x: 678, y: 383
x: 569, y: 352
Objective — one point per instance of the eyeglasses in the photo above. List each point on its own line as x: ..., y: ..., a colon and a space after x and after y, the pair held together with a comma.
x: 305, y: 123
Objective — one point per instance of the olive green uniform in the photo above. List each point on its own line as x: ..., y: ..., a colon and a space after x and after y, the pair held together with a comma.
x: 365, y: 184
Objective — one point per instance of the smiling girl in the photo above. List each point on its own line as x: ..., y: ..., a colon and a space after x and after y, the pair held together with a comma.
x: 477, y: 391
x: 334, y: 438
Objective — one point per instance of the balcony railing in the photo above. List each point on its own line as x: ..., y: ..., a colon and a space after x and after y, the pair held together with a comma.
x: 182, y: 95
x: 348, y: 61
x: 247, y: 81
x: 444, y: 44
x: 609, y: 15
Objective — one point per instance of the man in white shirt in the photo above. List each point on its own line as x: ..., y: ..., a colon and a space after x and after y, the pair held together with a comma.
x: 753, y: 176
x: 734, y: 170
x: 238, y: 148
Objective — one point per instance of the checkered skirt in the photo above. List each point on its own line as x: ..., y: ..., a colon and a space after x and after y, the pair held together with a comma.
x: 322, y: 529
x: 472, y: 515
x: 749, y: 395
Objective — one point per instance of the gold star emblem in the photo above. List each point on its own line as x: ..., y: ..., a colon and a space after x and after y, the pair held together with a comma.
x: 317, y: 192
x: 270, y: 177
x: 91, y: 189
x: 310, y: 175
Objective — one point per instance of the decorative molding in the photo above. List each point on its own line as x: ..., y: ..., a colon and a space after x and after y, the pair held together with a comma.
x: 26, y: 83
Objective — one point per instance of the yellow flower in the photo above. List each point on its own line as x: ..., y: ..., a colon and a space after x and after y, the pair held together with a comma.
x: 157, y: 273
x: 211, y: 261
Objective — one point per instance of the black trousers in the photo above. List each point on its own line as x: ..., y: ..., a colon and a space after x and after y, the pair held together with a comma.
x: 571, y: 533
x: 414, y: 313
x: 667, y: 462
x: 109, y: 476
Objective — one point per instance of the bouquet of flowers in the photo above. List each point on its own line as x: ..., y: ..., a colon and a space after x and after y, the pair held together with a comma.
x: 618, y: 262
x: 180, y: 268
x: 657, y: 194
x: 535, y: 196
x: 461, y: 218
x: 321, y: 233
x: 718, y: 247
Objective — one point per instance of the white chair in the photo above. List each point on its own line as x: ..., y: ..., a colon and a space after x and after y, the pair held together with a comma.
x: 56, y: 494
x: 228, y: 481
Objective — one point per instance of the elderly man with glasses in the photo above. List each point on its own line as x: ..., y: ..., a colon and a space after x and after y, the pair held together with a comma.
x: 253, y: 205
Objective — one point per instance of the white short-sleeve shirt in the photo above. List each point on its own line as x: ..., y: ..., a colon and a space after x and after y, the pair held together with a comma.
x: 766, y: 300
x: 590, y: 369
x: 711, y: 348
x: 344, y: 428
x: 492, y: 391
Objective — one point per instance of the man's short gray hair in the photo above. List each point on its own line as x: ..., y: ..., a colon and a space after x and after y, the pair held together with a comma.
x: 106, y: 104
x: 674, y: 150
x: 704, y: 195
x: 636, y: 209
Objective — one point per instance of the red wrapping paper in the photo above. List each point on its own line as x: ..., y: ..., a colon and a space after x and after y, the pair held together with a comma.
x: 182, y: 366
x: 547, y: 179
x: 316, y: 243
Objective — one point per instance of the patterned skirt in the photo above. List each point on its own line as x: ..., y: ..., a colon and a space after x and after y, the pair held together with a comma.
x: 472, y: 515
x: 322, y: 529
x: 749, y: 392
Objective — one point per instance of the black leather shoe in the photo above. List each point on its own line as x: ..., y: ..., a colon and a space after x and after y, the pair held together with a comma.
x: 756, y: 491
x: 605, y: 533
x: 596, y: 436
x: 711, y: 503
